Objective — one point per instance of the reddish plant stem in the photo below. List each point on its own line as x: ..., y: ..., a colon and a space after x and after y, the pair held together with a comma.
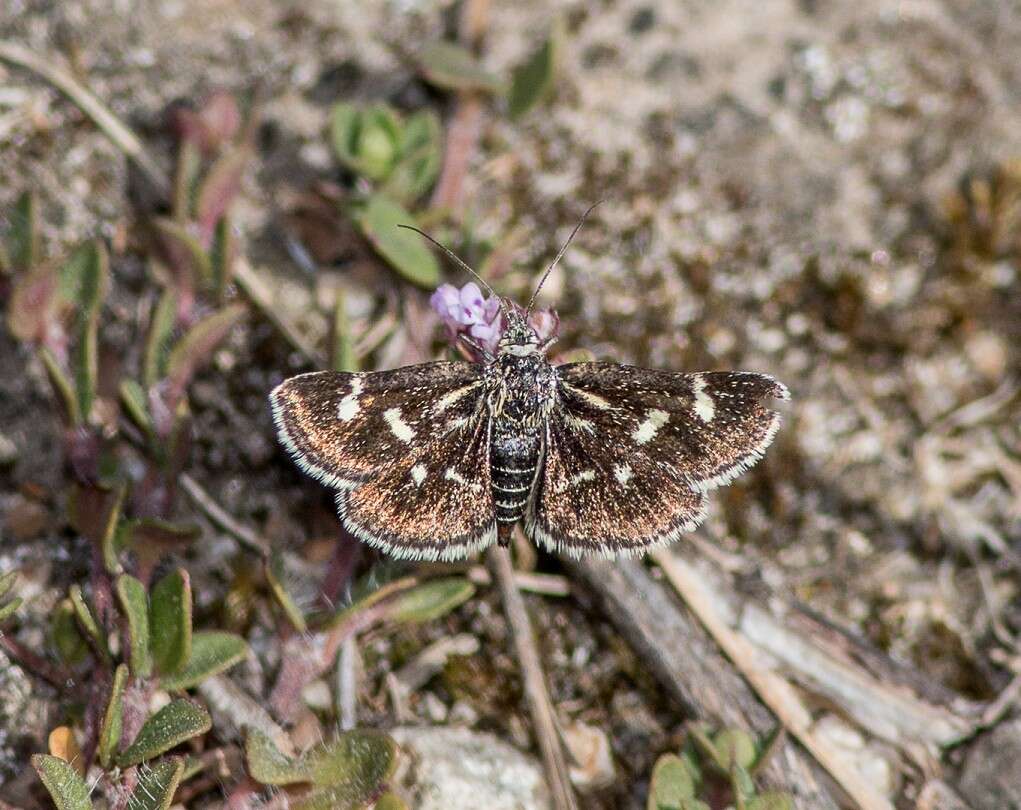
x: 35, y: 664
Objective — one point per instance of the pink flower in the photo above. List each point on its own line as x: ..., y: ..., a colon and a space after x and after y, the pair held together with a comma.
x: 466, y: 311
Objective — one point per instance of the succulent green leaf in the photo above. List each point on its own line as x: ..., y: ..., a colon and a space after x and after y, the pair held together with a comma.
x: 366, y: 140
x: 197, y: 345
x: 113, y: 717
x: 431, y: 600
x: 84, y: 280
x: 362, y: 758
x: 404, y: 250
x: 267, y: 765
x: 22, y: 249
x: 8, y: 608
x: 87, y: 620
x: 67, y: 637
x: 170, y: 622
x: 67, y: 789
x: 157, y: 785
x: 184, y: 252
x: 275, y: 577
x: 176, y: 722
x: 157, y: 344
x: 7, y: 582
x: 742, y: 785
x: 135, y: 604
x: 453, y: 67
x: 421, y: 156
x: 62, y: 384
x: 532, y: 80
x: 734, y: 747
x: 671, y: 784
x: 771, y: 801
x: 211, y: 654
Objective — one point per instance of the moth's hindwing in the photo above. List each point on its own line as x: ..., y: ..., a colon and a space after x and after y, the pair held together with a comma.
x: 631, y: 452
x: 407, y: 450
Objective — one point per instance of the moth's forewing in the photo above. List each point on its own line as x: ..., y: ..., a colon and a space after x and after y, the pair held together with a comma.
x: 630, y: 453
x: 407, y: 451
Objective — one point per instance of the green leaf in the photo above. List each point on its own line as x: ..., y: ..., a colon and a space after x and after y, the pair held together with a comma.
x: 112, y: 725
x: 453, y: 67
x: 189, y: 162
x: 8, y: 608
x: 421, y: 156
x: 222, y: 255
x: 390, y: 801
x: 157, y: 344
x: 108, y: 539
x: 267, y: 765
x: 365, y: 140
x: 219, y: 189
x: 87, y: 620
x: 211, y: 654
x: 135, y: 604
x: 197, y: 345
x: 67, y: 637
x: 157, y: 785
x: 342, y: 354
x: 362, y: 758
x: 66, y: 787
x: 771, y: 801
x: 532, y: 80
x: 184, y: 252
x: 404, y: 250
x: 734, y: 747
x: 170, y: 622
x: 353, y: 765
x: 136, y: 403
x: 84, y: 279
x: 430, y: 600
x: 7, y: 582
x: 23, y: 235
x: 671, y: 784
x: 176, y: 722
x: 275, y: 577
x: 62, y: 385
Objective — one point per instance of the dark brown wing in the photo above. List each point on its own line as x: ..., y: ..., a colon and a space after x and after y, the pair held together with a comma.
x: 630, y: 453
x: 407, y: 450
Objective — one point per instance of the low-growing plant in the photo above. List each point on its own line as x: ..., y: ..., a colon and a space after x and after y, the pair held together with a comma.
x: 721, y: 765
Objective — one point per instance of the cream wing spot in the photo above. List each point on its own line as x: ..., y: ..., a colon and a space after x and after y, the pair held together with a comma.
x: 401, y: 429
x: 623, y: 473
x: 419, y: 474
x: 349, y: 405
x: 705, y: 408
x: 654, y: 420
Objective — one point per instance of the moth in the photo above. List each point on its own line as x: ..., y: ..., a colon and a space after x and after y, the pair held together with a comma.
x: 442, y: 459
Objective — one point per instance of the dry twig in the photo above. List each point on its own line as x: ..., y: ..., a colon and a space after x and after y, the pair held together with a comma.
x: 539, y: 704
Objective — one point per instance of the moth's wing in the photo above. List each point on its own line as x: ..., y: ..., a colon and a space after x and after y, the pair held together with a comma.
x: 631, y: 452
x: 407, y: 450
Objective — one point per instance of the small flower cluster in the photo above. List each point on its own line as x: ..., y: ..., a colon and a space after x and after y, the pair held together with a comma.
x: 466, y: 311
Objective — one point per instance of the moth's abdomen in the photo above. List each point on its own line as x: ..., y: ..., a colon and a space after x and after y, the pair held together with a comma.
x: 513, y: 460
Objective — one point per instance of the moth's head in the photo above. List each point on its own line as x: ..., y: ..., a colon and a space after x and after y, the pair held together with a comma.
x: 518, y: 337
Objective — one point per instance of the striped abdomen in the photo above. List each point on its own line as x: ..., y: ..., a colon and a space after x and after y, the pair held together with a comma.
x: 513, y: 461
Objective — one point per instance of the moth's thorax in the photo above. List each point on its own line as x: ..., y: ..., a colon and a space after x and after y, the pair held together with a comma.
x: 524, y: 388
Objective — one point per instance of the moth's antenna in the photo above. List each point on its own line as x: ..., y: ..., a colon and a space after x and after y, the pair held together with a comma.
x: 453, y: 256
x: 559, y: 256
